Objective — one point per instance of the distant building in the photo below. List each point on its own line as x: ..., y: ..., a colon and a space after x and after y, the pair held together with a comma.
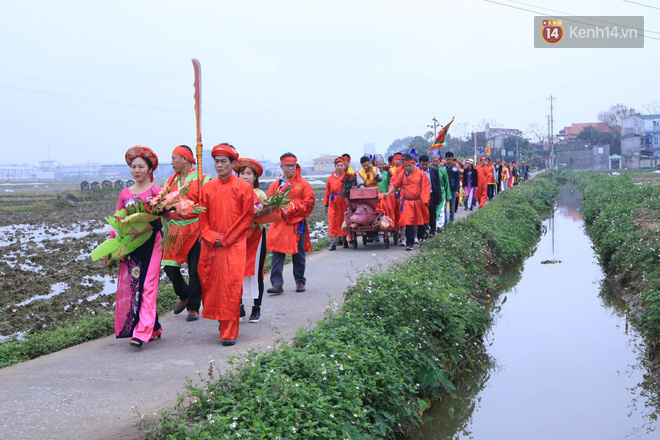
x: 270, y: 168
x: 18, y: 172
x: 640, y: 141
x: 369, y: 149
x: 324, y: 164
x: 579, y: 155
x: 570, y: 133
x: 115, y: 172
x: 496, y: 137
x: 78, y: 171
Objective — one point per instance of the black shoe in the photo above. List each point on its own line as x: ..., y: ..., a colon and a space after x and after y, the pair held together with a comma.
x: 242, y: 315
x: 228, y: 342
x: 409, y: 248
x: 180, y: 306
x: 192, y: 315
x: 276, y: 290
x: 332, y: 247
x: 300, y: 286
x: 135, y: 342
x: 255, y: 316
x: 345, y: 244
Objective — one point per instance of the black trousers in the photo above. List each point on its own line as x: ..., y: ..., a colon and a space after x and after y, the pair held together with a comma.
x: 277, y: 263
x: 410, y: 234
x: 191, y: 291
x: 490, y: 191
x: 428, y: 229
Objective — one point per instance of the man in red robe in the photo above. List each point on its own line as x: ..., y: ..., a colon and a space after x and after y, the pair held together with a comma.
x: 481, y: 194
x: 225, y: 224
x: 182, y: 243
x: 414, y: 197
x: 291, y: 234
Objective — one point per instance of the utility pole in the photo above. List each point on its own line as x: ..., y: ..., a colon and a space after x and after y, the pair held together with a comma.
x: 549, y: 144
x: 434, y: 127
x: 475, y: 147
x: 551, y: 123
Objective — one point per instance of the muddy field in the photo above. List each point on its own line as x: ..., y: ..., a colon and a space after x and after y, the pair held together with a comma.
x: 650, y: 178
x: 47, y: 232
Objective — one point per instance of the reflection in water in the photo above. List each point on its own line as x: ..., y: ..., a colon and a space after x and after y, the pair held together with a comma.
x: 564, y: 363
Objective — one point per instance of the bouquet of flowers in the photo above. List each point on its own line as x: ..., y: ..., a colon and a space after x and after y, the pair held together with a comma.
x: 268, y: 210
x: 129, y: 222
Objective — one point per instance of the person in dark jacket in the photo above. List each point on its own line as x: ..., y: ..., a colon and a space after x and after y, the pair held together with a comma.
x: 454, y: 183
x: 470, y: 183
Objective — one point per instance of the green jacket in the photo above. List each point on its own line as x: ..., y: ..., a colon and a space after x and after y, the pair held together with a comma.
x: 445, y: 191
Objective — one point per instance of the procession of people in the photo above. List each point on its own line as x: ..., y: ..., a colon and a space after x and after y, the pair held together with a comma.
x: 225, y: 240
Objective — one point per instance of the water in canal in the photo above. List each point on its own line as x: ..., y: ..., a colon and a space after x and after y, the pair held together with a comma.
x: 564, y: 361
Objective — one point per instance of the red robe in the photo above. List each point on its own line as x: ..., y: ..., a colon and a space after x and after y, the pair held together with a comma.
x: 481, y: 194
x: 415, y: 197
x: 283, y: 235
x: 392, y: 202
x: 336, y: 203
x: 229, y: 214
x: 183, y: 231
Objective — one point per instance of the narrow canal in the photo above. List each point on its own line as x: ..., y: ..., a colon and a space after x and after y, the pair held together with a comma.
x: 564, y: 363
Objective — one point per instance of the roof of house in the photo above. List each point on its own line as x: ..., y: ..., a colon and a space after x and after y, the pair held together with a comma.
x: 649, y: 116
x: 577, y: 127
x: 327, y: 157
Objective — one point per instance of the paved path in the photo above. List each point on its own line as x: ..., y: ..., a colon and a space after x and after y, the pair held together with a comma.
x: 89, y: 391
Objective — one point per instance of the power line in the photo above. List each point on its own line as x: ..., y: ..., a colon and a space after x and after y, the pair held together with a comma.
x: 278, y: 115
x: 590, y: 19
x: 114, y: 92
x: 82, y: 98
x: 642, y: 4
x: 572, y: 19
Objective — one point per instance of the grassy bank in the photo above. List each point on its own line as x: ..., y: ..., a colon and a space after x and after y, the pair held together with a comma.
x: 623, y: 221
x: 371, y: 368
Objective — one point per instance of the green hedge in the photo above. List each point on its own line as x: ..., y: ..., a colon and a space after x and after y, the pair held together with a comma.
x: 368, y: 370
x: 623, y: 221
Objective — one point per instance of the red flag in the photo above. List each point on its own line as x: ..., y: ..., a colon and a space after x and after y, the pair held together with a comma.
x: 488, y: 149
x: 440, y: 140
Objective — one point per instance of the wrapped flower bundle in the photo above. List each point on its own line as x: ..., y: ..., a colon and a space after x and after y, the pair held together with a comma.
x: 268, y: 210
x: 129, y: 222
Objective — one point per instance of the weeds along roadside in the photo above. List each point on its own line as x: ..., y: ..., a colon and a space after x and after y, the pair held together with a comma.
x: 369, y: 369
x: 622, y: 219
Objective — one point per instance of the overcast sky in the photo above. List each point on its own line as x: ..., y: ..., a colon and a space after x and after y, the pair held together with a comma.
x: 85, y: 80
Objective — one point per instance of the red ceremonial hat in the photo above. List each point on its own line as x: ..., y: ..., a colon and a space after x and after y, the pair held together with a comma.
x: 144, y: 152
x: 185, y: 152
x: 224, y: 150
x: 250, y: 163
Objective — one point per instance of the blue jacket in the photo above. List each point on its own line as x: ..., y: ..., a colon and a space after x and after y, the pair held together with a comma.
x: 454, y: 179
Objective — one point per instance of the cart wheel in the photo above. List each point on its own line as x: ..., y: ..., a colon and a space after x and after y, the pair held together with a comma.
x: 387, y: 243
x: 364, y: 240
